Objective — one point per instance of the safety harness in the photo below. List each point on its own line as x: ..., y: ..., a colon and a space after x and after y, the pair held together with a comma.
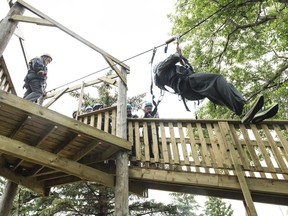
x: 162, y: 87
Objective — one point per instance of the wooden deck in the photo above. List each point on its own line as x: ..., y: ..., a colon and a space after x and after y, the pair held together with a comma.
x: 42, y: 148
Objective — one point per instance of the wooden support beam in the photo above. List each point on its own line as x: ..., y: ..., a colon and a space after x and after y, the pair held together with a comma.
x: 35, y: 155
x: 7, y: 198
x: 79, y: 86
x: 116, y: 69
x: 108, y: 80
x: 71, y: 33
x: 121, y: 188
x: 7, y: 27
x: 30, y: 183
x: 31, y: 20
x: 207, y: 182
x: 58, y: 95
x: 231, y: 146
x: 38, y: 142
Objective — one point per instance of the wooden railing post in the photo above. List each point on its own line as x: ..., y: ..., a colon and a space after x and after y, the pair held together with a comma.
x: 230, y: 144
x: 7, y: 27
x: 121, y: 187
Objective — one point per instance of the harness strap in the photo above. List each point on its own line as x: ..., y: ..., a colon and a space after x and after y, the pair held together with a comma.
x: 151, y: 86
x: 184, y: 102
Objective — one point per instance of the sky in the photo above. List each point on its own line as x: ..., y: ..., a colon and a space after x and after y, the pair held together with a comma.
x: 123, y: 29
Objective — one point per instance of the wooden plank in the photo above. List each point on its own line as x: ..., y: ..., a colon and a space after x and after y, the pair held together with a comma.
x: 243, y: 160
x: 215, y: 153
x: 85, y: 150
x: 52, y: 93
x: 175, y: 152
x: 223, y: 149
x: 114, y: 67
x: 164, y: 144
x: 38, y: 143
x: 251, y: 149
x: 204, y: 150
x: 277, y: 156
x: 183, y: 144
x: 56, y: 97
x: 131, y: 134
x: 146, y: 142
x: 99, y: 121
x: 193, y: 147
x: 113, y: 117
x: 108, y: 80
x: 282, y: 138
x: 264, y: 151
x: 92, y: 120
x: 155, y: 145
x: 137, y: 141
x: 31, y: 20
x: 230, y: 143
x: 28, y: 182
x: 207, y: 181
x: 38, y: 156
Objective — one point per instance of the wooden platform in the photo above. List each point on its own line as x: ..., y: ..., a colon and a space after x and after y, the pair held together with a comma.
x: 41, y: 148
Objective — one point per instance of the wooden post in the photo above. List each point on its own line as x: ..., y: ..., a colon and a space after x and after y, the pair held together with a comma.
x: 7, y: 198
x: 121, y: 187
x: 7, y: 27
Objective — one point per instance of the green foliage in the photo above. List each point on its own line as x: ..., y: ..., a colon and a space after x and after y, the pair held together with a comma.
x: 140, y: 206
x: 216, y: 207
x: 245, y: 41
x: 186, y: 204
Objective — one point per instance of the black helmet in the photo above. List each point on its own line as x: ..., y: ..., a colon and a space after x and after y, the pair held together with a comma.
x: 148, y: 104
x: 97, y: 106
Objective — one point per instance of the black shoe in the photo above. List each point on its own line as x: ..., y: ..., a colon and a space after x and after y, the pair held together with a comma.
x: 257, y: 105
x: 269, y: 113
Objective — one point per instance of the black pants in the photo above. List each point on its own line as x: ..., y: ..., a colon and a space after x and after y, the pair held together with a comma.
x: 35, y: 87
x: 213, y: 86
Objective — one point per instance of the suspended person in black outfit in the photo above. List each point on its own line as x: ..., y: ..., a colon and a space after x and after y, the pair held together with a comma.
x: 196, y: 86
x: 35, y: 80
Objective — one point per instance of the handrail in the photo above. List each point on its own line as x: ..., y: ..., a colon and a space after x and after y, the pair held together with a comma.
x: 190, y: 145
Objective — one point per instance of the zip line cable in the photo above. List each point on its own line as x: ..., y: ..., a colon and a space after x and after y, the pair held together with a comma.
x: 142, y: 53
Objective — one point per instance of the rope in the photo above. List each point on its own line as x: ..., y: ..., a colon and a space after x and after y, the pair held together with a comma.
x: 142, y: 53
x: 166, y: 43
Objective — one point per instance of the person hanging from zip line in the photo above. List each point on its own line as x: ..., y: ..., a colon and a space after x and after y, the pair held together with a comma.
x: 196, y: 86
x: 35, y: 80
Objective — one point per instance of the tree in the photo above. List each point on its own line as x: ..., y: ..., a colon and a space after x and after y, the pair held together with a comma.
x: 186, y: 204
x: 216, y: 207
x: 246, y: 41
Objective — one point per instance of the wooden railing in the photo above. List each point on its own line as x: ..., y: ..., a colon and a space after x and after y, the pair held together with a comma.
x: 6, y: 83
x: 213, y: 147
x: 204, y: 146
x: 103, y: 119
